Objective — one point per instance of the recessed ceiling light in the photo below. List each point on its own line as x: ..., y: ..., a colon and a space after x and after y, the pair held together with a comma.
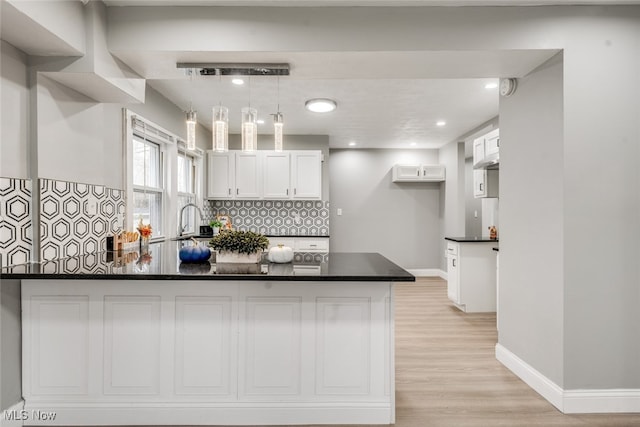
x: 352, y: 144
x: 441, y: 123
x: 413, y: 144
x: 320, y: 105
x: 491, y: 85
x: 238, y: 82
x: 260, y: 121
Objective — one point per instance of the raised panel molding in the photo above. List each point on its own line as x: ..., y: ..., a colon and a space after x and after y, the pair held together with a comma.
x: 132, y: 345
x: 203, y: 346
x: 272, y: 362
x: 343, y: 345
x: 60, y: 345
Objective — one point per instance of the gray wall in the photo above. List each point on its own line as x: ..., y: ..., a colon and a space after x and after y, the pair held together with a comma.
x: 15, y: 112
x: 531, y: 207
x: 293, y: 142
x: 398, y: 220
x: 472, y: 225
x: 10, y: 344
x: 452, y: 197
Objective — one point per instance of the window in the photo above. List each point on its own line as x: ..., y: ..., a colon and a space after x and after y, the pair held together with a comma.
x: 148, y: 179
x: 186, y: 191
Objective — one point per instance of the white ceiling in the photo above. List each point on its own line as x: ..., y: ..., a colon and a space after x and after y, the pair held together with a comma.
x: 385, y: 99
x: 397, y: 3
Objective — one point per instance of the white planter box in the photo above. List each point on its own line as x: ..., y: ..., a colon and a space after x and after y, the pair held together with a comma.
x: 235, y: 257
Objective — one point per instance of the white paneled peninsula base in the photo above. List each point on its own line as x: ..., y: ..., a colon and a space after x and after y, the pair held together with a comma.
x: 195, y: 352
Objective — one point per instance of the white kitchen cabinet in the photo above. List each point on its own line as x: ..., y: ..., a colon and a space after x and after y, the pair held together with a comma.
x: 302, y: 243
x: 221, y: 175
x: 486, y: 150
x: 485, y: 183
x: 234, y: 175
x: 306, y: 174
x: 471, y: 276
x: 277, y: 175
x: 248, y: 175
x: 417, y: 173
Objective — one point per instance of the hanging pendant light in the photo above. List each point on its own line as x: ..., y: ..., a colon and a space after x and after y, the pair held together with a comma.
x: 249, y: 130
x: 191, y: 119
x: 220, y: 127
x: 278, y: 124
x: 191, y: 130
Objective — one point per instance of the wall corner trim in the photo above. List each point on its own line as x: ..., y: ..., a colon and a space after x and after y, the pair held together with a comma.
x: 13, y: 410
x: 571, y: 401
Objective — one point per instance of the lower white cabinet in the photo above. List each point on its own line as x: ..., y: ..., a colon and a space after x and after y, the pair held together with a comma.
x: 200, y: 352
x: 471, y: 276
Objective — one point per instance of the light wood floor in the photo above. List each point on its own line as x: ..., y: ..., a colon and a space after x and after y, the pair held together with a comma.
x: 447, y: 374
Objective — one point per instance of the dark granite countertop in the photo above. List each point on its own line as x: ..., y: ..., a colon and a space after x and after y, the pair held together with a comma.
x: 162, y: 263
x: 467, y: 239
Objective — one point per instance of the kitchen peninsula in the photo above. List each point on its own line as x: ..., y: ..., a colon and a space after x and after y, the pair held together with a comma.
x: 146, y: 341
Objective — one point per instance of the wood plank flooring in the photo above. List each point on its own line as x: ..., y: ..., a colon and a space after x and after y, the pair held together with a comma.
x: 447, y: 374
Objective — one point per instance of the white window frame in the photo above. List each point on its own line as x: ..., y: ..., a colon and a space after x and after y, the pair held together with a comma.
x: 150, y: 131
x: 197, y: 157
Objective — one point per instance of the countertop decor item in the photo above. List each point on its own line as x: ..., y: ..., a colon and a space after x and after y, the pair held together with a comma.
x: 195, y: 253
x: 239, y: 246
x: 280, y: 254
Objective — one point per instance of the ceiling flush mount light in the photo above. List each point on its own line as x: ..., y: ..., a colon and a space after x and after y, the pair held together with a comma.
x: 352, y: 144
x: 321, y: 105
x: 237, y: 82
x: 441, y: 123
x: 260, y: 121
x: 413, y: 144
x: 491, y: 85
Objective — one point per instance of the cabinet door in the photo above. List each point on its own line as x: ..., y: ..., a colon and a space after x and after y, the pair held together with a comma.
x: 306, y: 176
x: 277, y: 175
x: 453, y: 278
x: 406, y: 173
x: 479, y: 183
x: 220, y: 176
x: 433, y: 173
x: 478, y: 150
x: 492, y: 143
x: 248, y: 176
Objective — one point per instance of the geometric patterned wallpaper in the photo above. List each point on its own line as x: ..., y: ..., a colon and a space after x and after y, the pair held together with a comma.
x: 15, y: 221
x: 66, y: 226
x: 273, y: 217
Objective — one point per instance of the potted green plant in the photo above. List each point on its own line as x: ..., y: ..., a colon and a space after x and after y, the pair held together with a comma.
x: 215, y: 226
x: 239, y: 246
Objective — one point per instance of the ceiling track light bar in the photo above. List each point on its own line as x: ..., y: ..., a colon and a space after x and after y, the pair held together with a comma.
x: 232, y: 69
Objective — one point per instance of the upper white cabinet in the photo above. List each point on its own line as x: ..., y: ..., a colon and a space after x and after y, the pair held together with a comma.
x: 306, y: 174
x: 265, y: 175
x: 486, y: 150
x: 418, y: 173
x: 233, y: 175
x: 485, y: 183
x: 221, y: 175
x: 248, y: 171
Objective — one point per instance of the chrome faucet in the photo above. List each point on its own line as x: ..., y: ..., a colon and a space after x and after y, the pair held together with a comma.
x: 180, y: 226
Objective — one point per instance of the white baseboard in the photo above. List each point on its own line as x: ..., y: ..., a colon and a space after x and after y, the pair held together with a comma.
x: 267, y: 413
x: 13, y: 416
x: 428, y: 272
x: 571, y: 401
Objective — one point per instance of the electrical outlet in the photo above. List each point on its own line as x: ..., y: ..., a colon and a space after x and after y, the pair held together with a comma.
x: 92, y: 206
x: 475, y: 214
x: 339, y: 211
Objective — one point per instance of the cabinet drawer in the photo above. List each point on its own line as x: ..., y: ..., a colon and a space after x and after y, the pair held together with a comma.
x: 306, y: 270
x: 284, y: 241
x: 452, y: 248
x: 312, y: 245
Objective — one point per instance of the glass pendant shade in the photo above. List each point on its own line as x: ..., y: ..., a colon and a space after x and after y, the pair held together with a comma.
x: 220, y: 129
x: 249, y: 130
x: 278, y: 126
x: 191, y: 130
